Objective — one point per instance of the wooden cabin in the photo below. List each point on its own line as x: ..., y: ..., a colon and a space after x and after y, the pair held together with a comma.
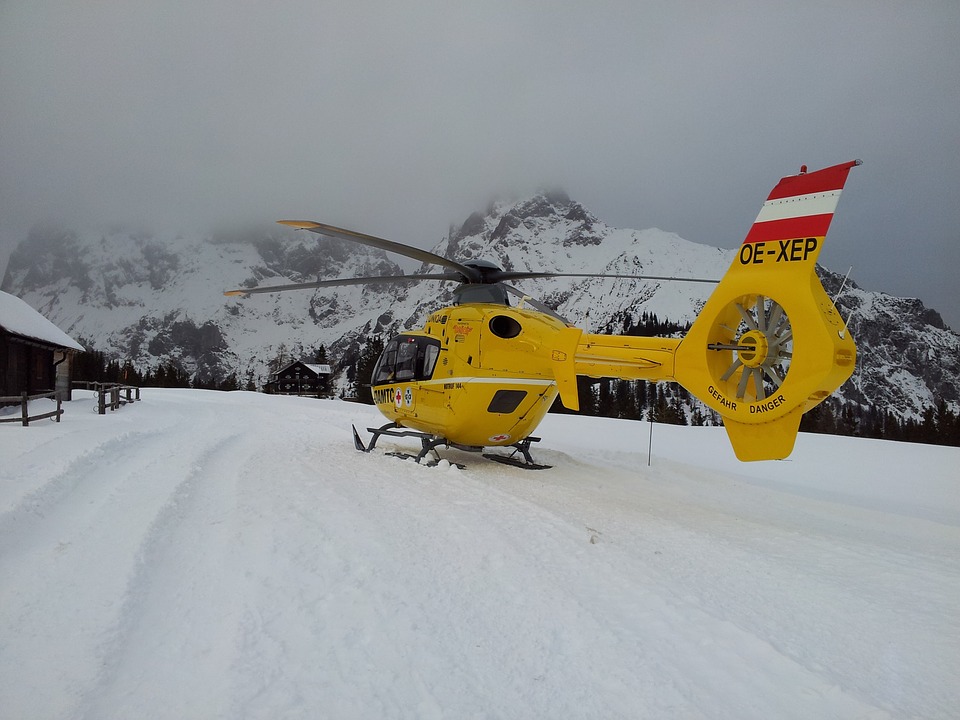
x: 299, y: 378
x: 35, y: 355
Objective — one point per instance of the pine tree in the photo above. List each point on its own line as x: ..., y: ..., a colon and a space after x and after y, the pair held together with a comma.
x: 948, y: 425
x: 323, y: 382
x: 280, y: 360
x: 607, y: 403
x: 365, y: 365
x: 928, y: 426
x: 696, y: 417
x: 626, y: 402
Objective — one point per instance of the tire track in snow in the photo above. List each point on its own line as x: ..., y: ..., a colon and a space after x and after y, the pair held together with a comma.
x: 47, y: 550
x: 97, y: 520
x: 32, y: 507
x: 181, y: 581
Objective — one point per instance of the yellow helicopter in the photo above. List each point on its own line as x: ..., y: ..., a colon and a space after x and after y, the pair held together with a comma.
x: 767, y: 346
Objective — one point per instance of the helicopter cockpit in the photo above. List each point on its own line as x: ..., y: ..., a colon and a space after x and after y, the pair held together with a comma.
x: 406, y: 358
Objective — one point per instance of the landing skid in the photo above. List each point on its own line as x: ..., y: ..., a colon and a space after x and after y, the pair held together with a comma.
x: 526, y: 464
x: 430, y: 443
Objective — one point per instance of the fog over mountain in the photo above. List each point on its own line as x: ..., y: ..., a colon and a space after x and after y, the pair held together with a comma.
x: 400, y: 119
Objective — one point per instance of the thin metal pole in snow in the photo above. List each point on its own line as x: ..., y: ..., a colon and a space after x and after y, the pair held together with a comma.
x: 650, y: 444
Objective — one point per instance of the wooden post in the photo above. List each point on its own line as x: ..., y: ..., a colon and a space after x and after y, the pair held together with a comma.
x: 59, y: 405
x: 101, y: 400
x: 25, y: 416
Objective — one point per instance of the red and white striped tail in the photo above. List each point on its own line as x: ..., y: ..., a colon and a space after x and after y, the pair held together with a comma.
x: 800, y: 206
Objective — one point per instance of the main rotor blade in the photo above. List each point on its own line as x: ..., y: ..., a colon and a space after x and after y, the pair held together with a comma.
x: 523, y: 274
x: 469, y: 274
x: 377, y: 279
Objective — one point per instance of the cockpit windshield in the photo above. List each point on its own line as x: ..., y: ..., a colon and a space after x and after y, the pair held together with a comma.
x: 535, y: 304
x: 499, y: 294
x: 406, y: 358
x: 481, y: 293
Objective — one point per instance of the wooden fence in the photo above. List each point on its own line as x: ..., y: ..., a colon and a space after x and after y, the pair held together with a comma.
x: 110, y: 395
x: 25, y: 417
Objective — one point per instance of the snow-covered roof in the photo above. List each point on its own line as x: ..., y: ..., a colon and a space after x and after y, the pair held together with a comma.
x: 319, y: 369
x: 313, y: 367
x: 20, y: 319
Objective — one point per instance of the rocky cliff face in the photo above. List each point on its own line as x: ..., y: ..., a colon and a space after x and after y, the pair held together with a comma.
x: 908, y: 359
x: 158, y: 298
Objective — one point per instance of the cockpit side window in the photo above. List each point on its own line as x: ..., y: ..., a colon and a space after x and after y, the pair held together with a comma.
x: 406, y: 358
x: 406, y: 367
x: 384, y: 369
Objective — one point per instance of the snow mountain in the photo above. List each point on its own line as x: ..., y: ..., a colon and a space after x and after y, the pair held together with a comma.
x: 157, y: 298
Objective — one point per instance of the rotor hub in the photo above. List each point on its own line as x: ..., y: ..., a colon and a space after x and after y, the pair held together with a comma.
x: 757, y: 334
x: 753, y: 349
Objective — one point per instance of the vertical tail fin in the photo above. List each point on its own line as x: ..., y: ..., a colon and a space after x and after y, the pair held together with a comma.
x: 769, y: 343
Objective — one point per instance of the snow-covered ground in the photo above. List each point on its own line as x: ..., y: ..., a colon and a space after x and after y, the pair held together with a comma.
x: 230, y: 555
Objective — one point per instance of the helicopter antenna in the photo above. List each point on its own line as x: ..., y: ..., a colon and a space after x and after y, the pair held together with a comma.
x: 837, y: 297
x: 842, y: 285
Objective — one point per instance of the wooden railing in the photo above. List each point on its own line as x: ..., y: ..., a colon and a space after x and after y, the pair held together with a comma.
x: 110, y: 395
x: 25, y: 417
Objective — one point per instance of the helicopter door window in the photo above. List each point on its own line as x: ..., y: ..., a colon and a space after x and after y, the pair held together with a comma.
x: 430, y: 354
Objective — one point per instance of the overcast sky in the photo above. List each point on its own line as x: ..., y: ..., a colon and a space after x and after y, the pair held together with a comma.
x: 399, y: 119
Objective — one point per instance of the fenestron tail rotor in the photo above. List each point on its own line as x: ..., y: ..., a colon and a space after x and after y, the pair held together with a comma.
x: 760, y: 348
